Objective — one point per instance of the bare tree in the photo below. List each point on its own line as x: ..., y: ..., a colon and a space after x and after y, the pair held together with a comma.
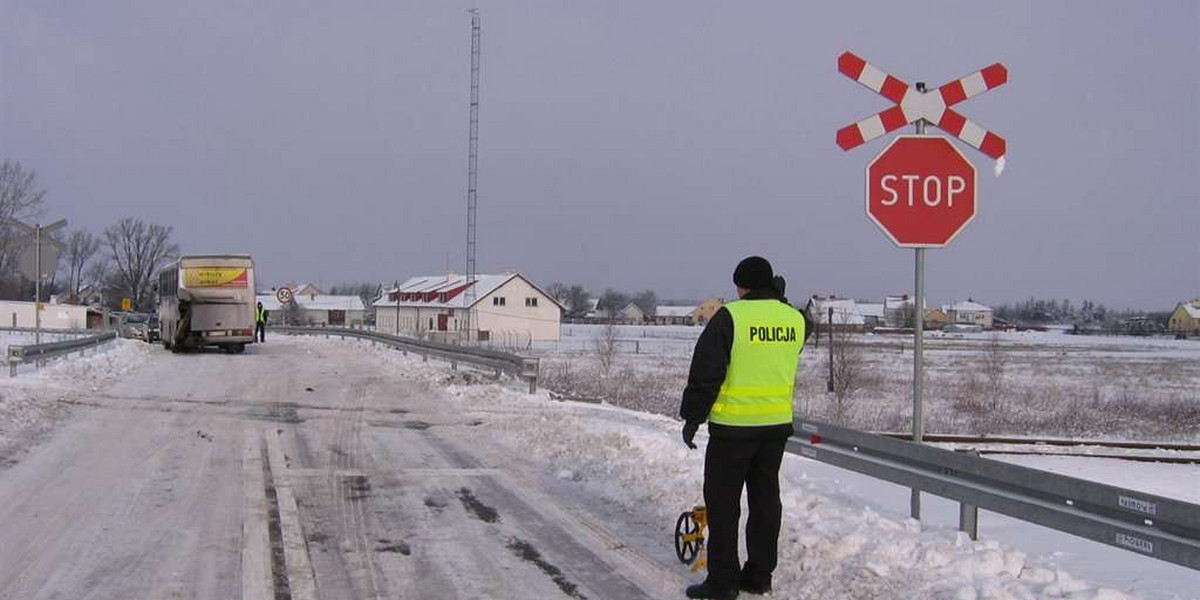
x: 646, y: 300
x: 99, y: 274
x: 613, y: 301
x: 606, y: 345
x: 558, y: 291
x: 994, y: 360
x: 293, y: 314
x: 21, y: 199
x: 849, y: 372
x: 81, y: 248
x: 577, y: 300
x: 138, y: 250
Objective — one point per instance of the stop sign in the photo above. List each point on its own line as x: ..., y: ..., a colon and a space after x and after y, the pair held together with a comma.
x: 921, y: 191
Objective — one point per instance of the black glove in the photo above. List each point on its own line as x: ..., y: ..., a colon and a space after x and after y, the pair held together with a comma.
x: 780, y: 285
x: 689, y: 433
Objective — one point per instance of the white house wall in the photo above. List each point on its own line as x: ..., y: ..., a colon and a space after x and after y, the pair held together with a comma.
x: 54, y: 316
x: 541, y: 323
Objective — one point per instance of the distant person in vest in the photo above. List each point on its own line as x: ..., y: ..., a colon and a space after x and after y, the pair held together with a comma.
x: 260, y: 323
x: 741, y: 381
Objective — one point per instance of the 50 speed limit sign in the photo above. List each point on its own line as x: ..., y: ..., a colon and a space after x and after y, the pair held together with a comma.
x: 284, y: 295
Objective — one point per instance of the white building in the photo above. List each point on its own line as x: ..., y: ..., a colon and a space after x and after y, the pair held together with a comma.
x: 321, y: 310
x: 507, y: 308
x: 872, y: 313
x: 15, y: 313
x: 845, y: 311
x: 898, y: 311
x: 969, y: 313
x: 674, y: 315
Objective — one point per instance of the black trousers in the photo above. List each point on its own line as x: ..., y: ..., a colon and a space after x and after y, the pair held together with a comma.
x: 730, y: 464
x: 260, y: 330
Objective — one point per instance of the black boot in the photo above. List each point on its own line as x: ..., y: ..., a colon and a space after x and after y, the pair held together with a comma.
x: 752, y: 584
x: 714, y: 592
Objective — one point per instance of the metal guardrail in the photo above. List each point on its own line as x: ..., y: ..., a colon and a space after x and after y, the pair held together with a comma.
x: 1151, y: 525
x: 46, y: 331
x: 22, y: 353
x: 523, y: 367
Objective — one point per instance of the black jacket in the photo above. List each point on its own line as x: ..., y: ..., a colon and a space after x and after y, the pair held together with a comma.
x: 710, y: 360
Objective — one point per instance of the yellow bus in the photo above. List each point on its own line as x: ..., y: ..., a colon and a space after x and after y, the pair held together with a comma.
x: 207, y: 300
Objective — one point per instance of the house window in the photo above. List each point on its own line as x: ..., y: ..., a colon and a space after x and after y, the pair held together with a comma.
x: 498, y: 301
x: 531, y: 302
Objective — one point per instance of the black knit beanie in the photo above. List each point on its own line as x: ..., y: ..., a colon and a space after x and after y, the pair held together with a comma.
x: 753, y: 273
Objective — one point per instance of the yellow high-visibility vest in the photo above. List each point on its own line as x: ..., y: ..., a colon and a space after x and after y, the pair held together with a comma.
x: 260, y: 315
x: 768, y: 337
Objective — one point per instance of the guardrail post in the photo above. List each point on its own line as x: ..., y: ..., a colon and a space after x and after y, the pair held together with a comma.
x: 968, y: 514
x: 454, y: 365
x: 968, y: 519
x: 12, y: 368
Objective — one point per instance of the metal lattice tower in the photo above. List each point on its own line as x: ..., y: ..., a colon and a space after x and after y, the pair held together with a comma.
x: 472, y: 174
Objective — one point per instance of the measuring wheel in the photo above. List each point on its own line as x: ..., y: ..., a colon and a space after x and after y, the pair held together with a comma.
x: 689, y: 535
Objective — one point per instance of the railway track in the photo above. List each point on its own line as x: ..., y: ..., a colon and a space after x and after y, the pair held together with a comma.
x: 1182, y: 453
x: 1161, y: 452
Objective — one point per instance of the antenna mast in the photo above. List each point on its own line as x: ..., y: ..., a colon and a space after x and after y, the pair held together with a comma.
x: 472, y: 174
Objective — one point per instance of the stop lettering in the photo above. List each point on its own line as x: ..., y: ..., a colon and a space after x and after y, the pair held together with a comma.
x: 921, y: 191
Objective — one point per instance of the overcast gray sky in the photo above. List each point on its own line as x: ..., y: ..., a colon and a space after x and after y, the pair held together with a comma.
x: 631, y: 144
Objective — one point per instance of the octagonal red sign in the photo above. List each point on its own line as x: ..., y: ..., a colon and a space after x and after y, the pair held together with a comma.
x: 921, y: 191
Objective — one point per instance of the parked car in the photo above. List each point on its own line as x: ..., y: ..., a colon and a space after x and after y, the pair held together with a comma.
x: 135, y: 326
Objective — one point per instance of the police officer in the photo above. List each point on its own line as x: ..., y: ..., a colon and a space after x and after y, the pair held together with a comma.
x: 260, y: 323
x: 741, y: 380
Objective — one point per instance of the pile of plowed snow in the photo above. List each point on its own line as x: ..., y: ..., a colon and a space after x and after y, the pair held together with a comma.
x: 33, y: 400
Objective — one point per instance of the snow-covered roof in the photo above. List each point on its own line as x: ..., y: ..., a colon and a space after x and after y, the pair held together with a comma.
x: 845, y: 311
x: 674, y: 311
x: 896, y: 302
x: 1192, y: 309
x: 318, y: 302
x: 447, y: 291
x: 968, y: 306
x: 870, y: 309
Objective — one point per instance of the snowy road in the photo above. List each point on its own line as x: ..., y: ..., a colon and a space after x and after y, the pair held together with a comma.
x: 210, y: 476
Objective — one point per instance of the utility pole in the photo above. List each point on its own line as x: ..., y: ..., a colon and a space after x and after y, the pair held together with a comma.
x: 472, y: 176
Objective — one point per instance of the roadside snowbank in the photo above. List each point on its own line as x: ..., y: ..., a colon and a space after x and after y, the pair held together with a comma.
x: 29, y: 402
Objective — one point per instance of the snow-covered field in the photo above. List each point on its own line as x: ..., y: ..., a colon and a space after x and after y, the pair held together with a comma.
x: 1045, y: 383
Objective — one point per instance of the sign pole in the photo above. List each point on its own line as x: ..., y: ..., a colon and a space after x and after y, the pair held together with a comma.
x: 830, y: 390
x: 37, y: 285
x: 918, y: 421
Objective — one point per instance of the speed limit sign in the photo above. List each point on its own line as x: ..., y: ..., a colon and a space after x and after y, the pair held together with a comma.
x: 284, y: 295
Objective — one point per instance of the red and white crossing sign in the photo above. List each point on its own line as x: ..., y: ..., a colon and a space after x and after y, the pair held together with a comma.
x: 921, y: 191
x: 911, y: 105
